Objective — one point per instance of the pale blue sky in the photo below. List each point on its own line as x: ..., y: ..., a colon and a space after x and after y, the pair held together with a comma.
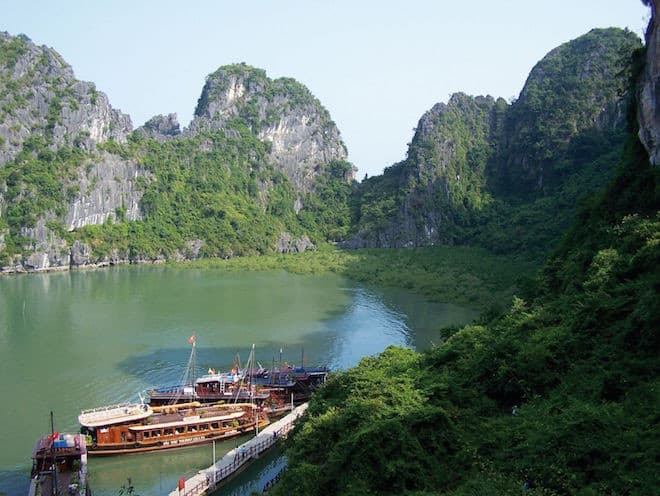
x: 377, y: 66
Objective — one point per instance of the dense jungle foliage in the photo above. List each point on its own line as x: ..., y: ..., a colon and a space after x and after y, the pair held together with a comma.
x: 559, y: 395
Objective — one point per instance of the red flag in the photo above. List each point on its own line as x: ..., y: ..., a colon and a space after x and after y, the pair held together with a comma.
x: 191, y: 339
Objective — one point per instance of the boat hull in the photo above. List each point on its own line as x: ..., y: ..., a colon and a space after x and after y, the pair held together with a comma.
x: 174, y: 443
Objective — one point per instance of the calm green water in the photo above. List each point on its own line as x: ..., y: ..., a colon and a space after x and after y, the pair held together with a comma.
x: 78, y: 340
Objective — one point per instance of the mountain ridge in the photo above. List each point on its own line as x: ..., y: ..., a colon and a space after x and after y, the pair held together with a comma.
x: 74, y: 174
x: 474, y: 161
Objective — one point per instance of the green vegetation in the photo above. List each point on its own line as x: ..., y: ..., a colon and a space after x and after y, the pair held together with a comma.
x: 469, y: 276
x: 38, y: 181
x: 11, y: 49
x: 559, y: 395
x: 281, y: 94
x: 508, y: 177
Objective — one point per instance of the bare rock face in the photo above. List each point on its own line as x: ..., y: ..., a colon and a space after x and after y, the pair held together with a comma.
x: 108, y: 190
x: 288, y: 244
x: 48, y: 251
x: 648, y: 111
x: 161, y: 128
x: 42, y: 97
x: 280, y: 112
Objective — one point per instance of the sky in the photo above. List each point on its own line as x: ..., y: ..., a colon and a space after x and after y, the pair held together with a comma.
x: 377, y: 66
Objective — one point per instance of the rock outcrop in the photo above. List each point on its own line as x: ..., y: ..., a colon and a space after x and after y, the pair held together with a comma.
x: 288, y: 244
x: 40, y: 96
x: 281, y: 112
x: 108, y: 191
x: 161, y: 128
x: 45, y: 109
x: 575, y: 89
x: 649, y: 90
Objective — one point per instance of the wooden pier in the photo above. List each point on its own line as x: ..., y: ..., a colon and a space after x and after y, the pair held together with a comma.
x: 209, y: 479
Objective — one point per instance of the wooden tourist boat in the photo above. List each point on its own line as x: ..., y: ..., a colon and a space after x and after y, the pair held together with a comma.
x: 59, y: 466
x: 274, y: 389
x: 136, y: 428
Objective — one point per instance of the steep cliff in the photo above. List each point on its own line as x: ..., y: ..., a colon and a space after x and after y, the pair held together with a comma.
x: 261, y: 168
x: 649, y: 89
x: 41, y: 96
x: 54, y: 173
x: 571, y: 101
x: 421, y: 201
x: 281, y: 112
x: 481, y: 171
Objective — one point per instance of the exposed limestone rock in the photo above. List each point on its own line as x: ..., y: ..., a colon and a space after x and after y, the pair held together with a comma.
x: 288, y: 244
x: 161, y: 128
x: 42, y: 97
x: 108, y: 190
x: 649, y: 90
x: 48, y: 251
x: 574, y: 89
x: 281, y: 112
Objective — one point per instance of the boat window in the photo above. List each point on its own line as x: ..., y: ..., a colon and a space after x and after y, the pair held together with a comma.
x: 192, y: 428
x: 204, y: 427
x: 146, y: 434
x: 123, y: 436
x: 168, y: 432
x: 180, y: 430
x: 215, y: 425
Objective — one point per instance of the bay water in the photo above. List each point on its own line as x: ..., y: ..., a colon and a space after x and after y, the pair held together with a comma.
x: 83, y: 339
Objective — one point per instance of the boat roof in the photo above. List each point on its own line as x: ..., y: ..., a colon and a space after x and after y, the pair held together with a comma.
x: 221, y: 377
x: 43, y: 445
x: 187, y: 421
x: 114, y: 414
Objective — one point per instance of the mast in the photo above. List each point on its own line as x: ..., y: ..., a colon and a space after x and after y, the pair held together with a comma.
x: 52, y: 454
x: 190, y: 372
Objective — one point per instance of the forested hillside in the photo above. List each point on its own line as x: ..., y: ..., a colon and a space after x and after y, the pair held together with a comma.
x: 559, y: 395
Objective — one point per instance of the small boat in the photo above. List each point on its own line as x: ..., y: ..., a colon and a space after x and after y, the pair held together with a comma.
x: 59, y: 466
x: 137, y: 428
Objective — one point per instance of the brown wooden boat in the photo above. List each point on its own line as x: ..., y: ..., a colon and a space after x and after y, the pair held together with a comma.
x: 59, y: 466
x: 136, y: 428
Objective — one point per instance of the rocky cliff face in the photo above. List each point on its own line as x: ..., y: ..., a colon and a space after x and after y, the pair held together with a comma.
x: 281, y: 112
x: 575, y: 89
x: 474, y: 162
x: 419, y: 199
x: 649, y: 90
x: 161, y: 128
x: 66, y: 162
x: 40, y: 96
x: 46, y: 110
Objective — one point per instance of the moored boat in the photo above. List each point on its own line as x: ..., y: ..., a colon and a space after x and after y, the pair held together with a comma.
x: 275, y: 389
x: 59, y: 466
x: 136, y: 428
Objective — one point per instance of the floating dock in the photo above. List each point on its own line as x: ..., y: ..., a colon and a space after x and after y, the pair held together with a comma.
x: 209, y: 479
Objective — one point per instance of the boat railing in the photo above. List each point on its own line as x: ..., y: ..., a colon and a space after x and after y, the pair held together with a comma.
x: 107, y: 408
x: 110, y: 411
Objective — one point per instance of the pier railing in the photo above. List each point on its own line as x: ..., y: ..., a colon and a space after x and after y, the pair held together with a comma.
x: 207, y: 480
